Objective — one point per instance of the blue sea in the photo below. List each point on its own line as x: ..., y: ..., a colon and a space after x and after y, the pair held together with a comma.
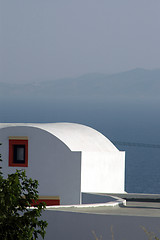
x: 136, y: 121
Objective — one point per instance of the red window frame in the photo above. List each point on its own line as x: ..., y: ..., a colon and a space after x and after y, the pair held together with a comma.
x: 12, y: 143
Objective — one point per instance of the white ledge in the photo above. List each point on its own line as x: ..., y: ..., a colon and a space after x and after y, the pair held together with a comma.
x: 116, y: 203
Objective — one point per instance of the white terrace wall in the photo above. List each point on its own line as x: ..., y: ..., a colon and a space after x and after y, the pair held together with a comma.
x: 80, y: 226
x: 103, y: 172
x: 50, y: 161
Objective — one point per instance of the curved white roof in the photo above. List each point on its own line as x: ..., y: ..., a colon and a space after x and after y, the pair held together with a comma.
x: 77, y: 137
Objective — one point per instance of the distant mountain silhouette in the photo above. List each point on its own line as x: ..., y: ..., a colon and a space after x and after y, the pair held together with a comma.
x: 133, y: 83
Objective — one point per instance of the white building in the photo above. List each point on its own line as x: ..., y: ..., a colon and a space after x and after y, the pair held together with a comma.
x: 66, y: 158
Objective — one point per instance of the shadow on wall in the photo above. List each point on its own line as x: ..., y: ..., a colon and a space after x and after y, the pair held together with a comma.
x: 69, y: 225
x: 90, y: 198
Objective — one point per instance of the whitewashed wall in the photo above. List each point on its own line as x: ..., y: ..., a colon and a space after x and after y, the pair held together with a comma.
x: 50, y: 161
x: 103, y: 172
x: 80, y: 226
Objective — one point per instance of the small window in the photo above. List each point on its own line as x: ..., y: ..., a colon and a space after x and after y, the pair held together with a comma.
x: 18, y: 152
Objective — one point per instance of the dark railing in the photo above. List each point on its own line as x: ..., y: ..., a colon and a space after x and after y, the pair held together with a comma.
x: 133, y: 144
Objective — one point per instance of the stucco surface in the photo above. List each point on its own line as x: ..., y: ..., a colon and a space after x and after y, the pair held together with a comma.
x: 50, y: 161
x: 67, y: 159
x: 83, y: 226
x: 103, y: 172
x: 77, y: 137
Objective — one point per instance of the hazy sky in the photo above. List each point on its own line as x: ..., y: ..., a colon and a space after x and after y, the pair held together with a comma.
x: 49, y: 39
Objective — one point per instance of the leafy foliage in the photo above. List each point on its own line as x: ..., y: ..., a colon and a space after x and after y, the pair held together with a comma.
x: 17, y: 220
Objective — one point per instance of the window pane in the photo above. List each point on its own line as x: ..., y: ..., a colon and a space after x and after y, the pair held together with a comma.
x: 20, y: 154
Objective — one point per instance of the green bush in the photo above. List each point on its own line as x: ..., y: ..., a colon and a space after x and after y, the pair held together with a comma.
x: 17, y: 220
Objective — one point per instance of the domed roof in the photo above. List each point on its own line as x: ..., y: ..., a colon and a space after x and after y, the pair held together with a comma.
x: 77, y: 137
